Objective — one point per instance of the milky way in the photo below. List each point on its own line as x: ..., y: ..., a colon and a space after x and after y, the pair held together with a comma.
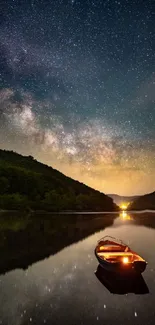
x: 77, y: 89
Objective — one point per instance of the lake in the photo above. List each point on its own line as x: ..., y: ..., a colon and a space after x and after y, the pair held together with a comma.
x: 48, y: 270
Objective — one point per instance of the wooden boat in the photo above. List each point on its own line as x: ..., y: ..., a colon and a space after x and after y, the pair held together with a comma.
x: 114, y: 255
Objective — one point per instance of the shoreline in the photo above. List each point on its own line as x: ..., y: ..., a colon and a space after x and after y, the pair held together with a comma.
x: 75, y: 212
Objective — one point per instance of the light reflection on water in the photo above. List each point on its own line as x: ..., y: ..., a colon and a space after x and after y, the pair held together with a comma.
x: 63, y: 288
x: 125, y: 215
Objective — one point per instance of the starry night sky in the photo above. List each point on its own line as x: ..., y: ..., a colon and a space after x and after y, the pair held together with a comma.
x: 77, y: 89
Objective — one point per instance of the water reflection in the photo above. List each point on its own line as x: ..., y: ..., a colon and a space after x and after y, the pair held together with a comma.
x: 62, y: 288
x: 122, y: 284
x: 124, y: 215
x: 28, y: 239
x: 146, y: 218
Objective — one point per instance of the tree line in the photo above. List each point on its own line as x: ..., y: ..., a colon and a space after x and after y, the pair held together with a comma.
x: 28, y: 184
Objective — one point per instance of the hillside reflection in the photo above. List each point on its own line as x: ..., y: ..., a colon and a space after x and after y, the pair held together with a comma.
x: 28, y: 239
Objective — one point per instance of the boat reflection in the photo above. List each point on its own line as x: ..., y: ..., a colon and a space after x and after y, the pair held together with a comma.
x: 122, y: 284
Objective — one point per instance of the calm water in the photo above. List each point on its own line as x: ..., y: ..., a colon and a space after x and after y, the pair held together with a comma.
x: 47, y: 270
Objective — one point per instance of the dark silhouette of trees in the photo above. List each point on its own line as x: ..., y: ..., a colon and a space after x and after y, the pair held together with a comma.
x: 28, y: 184
x: 144, y: 202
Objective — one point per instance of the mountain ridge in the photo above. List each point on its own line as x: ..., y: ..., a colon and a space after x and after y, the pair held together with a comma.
x: 119, y: 199
x: 144, y: 202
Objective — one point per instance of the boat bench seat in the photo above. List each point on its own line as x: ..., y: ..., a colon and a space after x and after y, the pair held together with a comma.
x: 112, y: 248
x: 114, y: 254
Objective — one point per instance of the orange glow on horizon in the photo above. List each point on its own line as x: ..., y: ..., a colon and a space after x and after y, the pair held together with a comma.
x: 124, y: 206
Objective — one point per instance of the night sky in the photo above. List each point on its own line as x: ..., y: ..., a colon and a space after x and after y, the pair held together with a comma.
x: 77, y: 89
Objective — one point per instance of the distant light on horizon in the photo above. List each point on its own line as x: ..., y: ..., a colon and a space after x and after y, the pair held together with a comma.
x: 124, y: 206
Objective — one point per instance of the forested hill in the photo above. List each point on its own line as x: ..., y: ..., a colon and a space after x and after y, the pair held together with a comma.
x: 145, y: 202
x: 28, y: 184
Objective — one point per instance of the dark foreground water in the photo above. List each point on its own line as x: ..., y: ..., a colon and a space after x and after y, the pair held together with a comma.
x: 48, y: 271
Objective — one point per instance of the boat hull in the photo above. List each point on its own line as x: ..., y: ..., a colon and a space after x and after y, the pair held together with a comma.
x: 137, y: 266
x: 140, y: 266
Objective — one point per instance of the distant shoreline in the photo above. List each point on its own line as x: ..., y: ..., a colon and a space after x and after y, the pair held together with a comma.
x: 60, y: 212
x: 74, y: 212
